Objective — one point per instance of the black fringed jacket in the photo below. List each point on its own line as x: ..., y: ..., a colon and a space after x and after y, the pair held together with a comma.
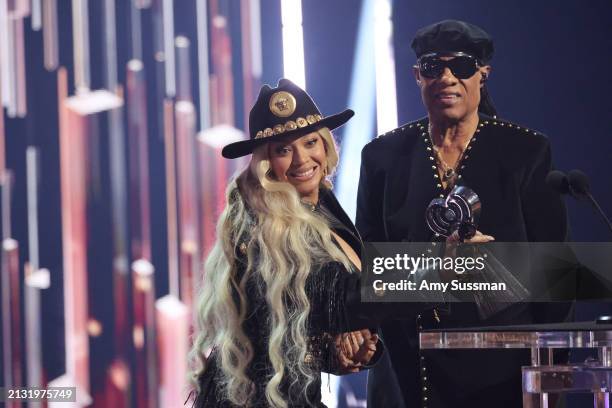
x: 331, y: 290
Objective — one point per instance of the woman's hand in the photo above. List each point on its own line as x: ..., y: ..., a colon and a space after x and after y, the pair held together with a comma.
x: 355, y: 349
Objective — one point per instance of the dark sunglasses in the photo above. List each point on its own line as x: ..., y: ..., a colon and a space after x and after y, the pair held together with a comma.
x: 463, y: 66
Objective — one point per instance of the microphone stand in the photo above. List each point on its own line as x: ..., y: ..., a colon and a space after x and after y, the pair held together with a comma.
x: 598, y: 208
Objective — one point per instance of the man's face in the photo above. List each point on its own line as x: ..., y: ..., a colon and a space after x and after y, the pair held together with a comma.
x: 448, y: 97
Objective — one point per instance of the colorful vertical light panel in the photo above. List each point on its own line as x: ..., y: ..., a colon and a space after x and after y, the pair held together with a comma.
x: 111, y: 122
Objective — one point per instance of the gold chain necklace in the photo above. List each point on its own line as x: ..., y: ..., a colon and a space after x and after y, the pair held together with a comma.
x: 449, y: 173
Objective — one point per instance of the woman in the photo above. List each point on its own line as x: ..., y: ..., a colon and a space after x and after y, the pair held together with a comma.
x: 273, y: 307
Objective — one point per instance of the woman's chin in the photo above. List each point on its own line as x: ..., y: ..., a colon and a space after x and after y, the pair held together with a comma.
x: 309, y: 189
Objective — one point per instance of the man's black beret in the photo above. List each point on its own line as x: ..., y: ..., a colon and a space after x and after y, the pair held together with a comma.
x: 453, y: 36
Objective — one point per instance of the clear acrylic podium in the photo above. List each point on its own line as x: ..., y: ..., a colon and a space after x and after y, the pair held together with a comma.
x: 543, y: 376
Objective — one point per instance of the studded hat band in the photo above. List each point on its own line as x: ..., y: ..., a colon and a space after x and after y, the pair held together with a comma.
x: 289, y: 125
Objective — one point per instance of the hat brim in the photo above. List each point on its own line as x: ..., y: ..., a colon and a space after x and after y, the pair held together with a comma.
x: 244, y: 147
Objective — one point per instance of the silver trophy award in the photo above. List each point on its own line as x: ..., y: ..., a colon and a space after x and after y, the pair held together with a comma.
x: 457, y: 212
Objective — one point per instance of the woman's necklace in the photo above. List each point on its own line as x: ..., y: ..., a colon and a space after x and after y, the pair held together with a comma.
x: 312, y: 207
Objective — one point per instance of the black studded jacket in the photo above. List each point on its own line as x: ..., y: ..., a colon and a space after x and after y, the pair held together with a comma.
x: 506, y: 165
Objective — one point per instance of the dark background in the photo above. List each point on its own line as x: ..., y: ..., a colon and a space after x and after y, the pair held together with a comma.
x: 551, y: 72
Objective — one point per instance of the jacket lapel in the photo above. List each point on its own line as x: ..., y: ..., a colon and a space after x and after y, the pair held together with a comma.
x: 410, y: 186
x: 331, y: 203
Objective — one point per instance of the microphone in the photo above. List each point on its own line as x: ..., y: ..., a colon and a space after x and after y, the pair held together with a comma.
x: 558, y: 181
x: 579, y: 183
x: 575, y: 183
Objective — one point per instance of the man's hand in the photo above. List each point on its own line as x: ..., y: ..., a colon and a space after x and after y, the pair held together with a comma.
x: 450, y: 251
x: 453, y: 240
x: 479, y: 237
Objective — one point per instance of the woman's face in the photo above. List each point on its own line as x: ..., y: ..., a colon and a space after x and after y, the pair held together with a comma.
x: 300, y: 162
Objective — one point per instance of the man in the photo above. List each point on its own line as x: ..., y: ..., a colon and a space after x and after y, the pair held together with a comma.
x: 460, y: 142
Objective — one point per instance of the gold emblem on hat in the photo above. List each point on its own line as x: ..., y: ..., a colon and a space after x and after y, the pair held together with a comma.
x: 290, y: 125
x: 301, y: 122
x: 268, y: 132
x: 278, y: 129
x: 311, y: 119
x: 282, y: 104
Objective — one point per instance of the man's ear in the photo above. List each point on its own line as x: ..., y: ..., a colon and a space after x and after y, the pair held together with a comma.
x: 417, y: 74
x: 485, y: 72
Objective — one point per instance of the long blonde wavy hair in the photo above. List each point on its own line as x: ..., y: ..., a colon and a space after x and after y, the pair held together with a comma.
x: 290, y: 241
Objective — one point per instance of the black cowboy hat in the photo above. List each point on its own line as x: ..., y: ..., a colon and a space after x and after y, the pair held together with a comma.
x: 286, y: 110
